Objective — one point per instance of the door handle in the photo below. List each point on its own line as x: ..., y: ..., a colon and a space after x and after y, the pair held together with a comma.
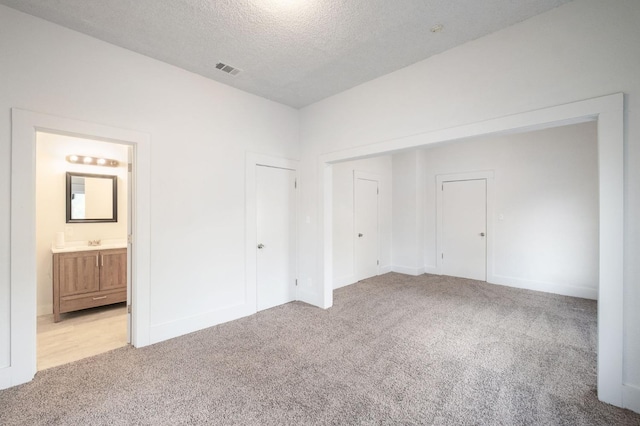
x: 360, y: 235
x: 482, y: 234
x: 260, y: 246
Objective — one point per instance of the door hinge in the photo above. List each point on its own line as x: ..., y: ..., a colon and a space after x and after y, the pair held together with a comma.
x: 295, y: 183
x: 296, y: 282
x: 129, y: 239
x: 441, y: 255
x: 378, y: 191
x: 130, y: 167
x: 128, y: 309
x: 378, y: 262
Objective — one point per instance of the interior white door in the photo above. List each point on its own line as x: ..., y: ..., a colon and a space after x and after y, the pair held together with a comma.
x: 276, y: 224
x: 366, y: 227
x: 464, y: 227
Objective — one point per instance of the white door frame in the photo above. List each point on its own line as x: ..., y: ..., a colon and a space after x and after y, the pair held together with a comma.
x: 488, y: 176
x: 25, y: 124
x: 608, y: 112
x: 376, y: 178
x: 251, y: 223
x: 130, y: 219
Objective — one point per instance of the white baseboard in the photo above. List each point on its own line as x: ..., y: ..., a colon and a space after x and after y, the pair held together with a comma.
x: 45, y: 309
x: 408, y: 270
x: 308, y: 295
x: 631, y: 397
x: 13, y: 376
x: 384, y: 269
x: 344, y: 281
x: 180, y: 327
x: 5, y: 377
x: 171, y: 329
x: 430, y: 269
x: 563, y: 289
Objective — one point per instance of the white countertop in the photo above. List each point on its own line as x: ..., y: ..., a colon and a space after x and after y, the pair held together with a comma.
x: 84, y: 246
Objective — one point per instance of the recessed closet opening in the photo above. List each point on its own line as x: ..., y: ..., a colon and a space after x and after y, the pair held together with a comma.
x: 607, y: 112
x: 537, y: 227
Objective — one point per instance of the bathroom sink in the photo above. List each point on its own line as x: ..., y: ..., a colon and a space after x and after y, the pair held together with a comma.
x: 84, y: 246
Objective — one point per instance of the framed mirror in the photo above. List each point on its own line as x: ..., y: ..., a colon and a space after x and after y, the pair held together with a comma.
x: 91, y: 198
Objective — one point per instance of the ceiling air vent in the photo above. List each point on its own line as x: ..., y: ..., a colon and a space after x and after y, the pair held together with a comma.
x: 227, y: 68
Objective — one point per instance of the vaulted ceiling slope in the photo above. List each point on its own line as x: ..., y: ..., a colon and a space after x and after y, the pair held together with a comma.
x: 295, y: 52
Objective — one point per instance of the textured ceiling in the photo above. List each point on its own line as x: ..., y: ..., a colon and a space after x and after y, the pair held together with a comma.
x: 291, y: 51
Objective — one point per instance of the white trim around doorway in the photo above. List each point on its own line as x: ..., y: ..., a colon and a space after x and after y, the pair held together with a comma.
x: 25, y: 124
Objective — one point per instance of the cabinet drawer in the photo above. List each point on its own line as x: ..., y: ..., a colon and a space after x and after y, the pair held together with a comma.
x: 74, y: 303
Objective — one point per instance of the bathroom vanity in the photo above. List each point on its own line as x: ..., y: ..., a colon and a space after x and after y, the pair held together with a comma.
x: 88, y: 277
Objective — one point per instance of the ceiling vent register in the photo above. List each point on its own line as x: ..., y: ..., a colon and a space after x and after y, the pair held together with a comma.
x: 227, y: 69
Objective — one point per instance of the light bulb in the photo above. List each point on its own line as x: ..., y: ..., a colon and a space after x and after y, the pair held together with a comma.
x: 88, y: 160
x: 102, y: 161
x: 73, y: 158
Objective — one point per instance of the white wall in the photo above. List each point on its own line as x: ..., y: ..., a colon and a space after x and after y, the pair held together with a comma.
x: 200, y: 132
x: 343, y: 211
x: 408, y: 213
x: 546, y: 189
x: 581, y: 50
x: 52, y: 166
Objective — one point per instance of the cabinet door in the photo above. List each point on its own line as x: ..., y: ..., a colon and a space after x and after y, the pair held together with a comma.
x: 113, y: 269
x: 79, y: 273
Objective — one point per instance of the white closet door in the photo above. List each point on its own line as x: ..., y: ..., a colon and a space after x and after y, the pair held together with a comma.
x: 464, y: 227
x: 366, y: 227
x: 276, y: 225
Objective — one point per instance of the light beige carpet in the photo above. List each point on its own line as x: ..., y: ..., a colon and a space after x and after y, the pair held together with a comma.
x: 393, y: 350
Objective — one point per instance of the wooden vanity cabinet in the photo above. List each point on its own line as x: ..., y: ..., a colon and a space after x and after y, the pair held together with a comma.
x: 86, y: 279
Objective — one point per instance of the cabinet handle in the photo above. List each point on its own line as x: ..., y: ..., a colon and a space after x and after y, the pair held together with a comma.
x: 101, y: 297
x: 102, y: 260
x: 96, y: 260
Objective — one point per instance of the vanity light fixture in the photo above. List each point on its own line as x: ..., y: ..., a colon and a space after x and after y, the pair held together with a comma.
x: 92, y: 161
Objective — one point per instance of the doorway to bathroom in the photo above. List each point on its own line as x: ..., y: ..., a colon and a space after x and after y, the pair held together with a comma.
x: 83, y: 221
